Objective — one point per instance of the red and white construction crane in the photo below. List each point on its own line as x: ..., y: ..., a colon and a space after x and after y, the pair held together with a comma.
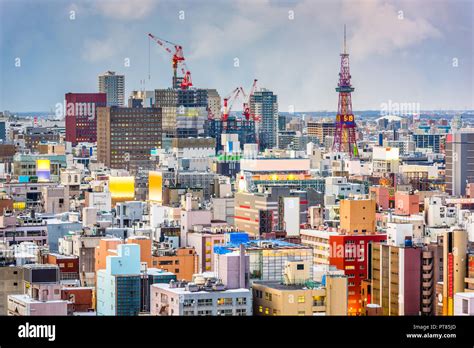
x: 246, y: 104
x: 177, y: 60
x: 232, y: 97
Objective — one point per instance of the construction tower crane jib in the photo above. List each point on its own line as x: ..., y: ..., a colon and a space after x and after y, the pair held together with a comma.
x: 177, y: 61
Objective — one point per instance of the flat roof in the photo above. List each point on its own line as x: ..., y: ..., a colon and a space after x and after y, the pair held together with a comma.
x: 280, y: 286
x: 62, y: 256
x: 28, y: 299
x: 264, y: 244
x: 183, y: 291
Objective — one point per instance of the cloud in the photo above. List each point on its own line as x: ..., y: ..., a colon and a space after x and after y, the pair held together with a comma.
x: 125, y: 10
x: 95, y: 50
x: 378, y: 27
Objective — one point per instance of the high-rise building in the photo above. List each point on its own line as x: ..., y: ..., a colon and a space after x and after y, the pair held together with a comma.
x: 459, y: 161
x: 214, y: 103
x: 114, y: 86
x: 428, y: 141
x: 118, y: 285
x: 81, y: 116
x: 454, y: 266
x: 264, y: 107
x: 184, y: 112
x: 350, y: 253
x: 432, y: 274
x: 396, y: 279
x: 321, y: 130
x: 126, y: 136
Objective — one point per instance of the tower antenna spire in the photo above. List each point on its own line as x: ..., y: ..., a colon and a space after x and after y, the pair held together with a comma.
x: 345, y: 39
x: 345, y: 133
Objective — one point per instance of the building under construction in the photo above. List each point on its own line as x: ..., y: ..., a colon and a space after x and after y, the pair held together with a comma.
x: 233, y: 125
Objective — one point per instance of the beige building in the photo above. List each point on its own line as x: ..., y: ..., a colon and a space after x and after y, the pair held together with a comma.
x: 11, y: 283
x: 321, y: 129
x: 214, y: 103
x: 55, y: 199
x: 319, y: 241
x: 298, y: 295
x: 52, y: 149
x: 357, y: 216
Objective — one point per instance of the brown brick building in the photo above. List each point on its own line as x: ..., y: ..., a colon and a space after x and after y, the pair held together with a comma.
x: 125, y: 136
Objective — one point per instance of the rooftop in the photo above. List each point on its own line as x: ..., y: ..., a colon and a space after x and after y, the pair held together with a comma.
x: 280, y: 286
x: 183, y: 291
x: 28, y: 299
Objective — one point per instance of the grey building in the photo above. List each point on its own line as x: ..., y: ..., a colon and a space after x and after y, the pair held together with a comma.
x: 184, y: 112
x: 459, y: 162
x: 114, y: 86
x: 428, y: 141
x: 264, y: 105
x: 58, y: 229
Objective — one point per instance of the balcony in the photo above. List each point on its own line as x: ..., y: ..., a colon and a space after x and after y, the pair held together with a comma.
x: 427, y: 276
x: 426, y: 308
x: 428, y: 267
x: 427, y: 292
x: 427, y: 283
x: 426, y: 301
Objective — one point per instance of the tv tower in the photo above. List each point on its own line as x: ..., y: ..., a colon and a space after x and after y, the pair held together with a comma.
x: 344, y: 136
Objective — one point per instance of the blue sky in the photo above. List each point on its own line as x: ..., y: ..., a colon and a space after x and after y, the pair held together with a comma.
x: 401, y: 51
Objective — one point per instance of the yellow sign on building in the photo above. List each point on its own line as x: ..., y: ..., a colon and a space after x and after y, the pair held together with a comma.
x: 122, y: 187
x: 155, y: 186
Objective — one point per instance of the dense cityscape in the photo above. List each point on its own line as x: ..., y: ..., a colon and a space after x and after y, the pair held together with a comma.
x: 194, y: 201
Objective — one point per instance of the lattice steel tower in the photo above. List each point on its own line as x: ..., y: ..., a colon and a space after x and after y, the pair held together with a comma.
x: 345, y: 134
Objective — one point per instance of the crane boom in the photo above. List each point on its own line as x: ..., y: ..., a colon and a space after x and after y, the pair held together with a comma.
x: 232, y: 96
x: 176, y: 60
x: 246, y: 104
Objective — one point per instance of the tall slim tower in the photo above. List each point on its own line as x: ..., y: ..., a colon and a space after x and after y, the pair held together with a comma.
x: 344, y: 136
x: 114, y: 86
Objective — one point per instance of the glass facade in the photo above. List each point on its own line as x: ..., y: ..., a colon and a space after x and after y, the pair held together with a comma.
x: 127, y: 295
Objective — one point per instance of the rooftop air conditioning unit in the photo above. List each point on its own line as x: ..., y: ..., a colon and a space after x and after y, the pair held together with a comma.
x: 219, y: 286
x: 192, y: 287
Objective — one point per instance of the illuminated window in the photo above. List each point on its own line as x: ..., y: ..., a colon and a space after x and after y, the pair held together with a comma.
x: 300, y: 299
x: 260, y: 309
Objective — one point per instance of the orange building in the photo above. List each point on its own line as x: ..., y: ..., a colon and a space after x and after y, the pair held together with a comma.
x: 357, y: 216
x: 406, y: 203
x: 183, y: 262
x: 107, y: 246
x: 145, y: 248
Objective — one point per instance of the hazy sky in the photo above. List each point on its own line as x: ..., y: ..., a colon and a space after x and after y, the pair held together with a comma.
x: 401, y: 51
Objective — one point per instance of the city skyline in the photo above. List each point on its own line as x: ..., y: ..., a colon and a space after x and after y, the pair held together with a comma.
x: 401, y: 51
